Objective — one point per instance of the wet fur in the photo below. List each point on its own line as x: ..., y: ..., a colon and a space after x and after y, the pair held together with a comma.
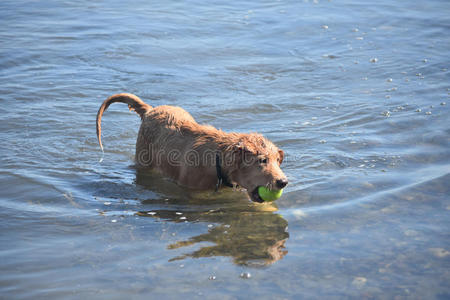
x: 171, y: 129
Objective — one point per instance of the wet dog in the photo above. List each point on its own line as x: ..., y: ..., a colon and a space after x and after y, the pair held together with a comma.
x: 200, y: 156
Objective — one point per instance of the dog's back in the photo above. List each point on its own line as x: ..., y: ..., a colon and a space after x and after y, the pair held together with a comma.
x: 172, y: 116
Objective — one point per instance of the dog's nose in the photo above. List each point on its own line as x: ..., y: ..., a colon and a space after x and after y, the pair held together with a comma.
x: 281, y: 183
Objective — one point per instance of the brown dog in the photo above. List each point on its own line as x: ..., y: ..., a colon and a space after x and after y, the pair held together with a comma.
x: 200, y: 156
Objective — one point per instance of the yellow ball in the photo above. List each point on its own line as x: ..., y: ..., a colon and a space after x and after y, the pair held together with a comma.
x: 269, y: 195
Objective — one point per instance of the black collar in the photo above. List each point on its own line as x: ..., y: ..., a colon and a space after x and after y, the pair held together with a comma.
x: 221, y: 177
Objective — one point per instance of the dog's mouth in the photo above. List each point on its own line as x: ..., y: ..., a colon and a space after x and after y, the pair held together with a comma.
x: 254, y: 196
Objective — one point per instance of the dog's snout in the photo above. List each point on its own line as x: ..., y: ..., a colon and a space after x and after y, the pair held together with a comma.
x: 281, y: 183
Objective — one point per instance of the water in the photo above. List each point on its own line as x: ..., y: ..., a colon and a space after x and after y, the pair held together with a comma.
x: 356, y: 94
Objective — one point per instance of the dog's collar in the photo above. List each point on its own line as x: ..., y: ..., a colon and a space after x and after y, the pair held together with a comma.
x: 221, y: 177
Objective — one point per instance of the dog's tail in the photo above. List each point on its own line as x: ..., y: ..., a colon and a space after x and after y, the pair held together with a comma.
x: 134, y: 103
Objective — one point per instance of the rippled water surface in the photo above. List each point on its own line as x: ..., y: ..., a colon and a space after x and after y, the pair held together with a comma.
x: 356, y: 94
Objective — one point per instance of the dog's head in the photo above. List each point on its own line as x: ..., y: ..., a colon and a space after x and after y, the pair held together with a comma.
x: 257, y: 163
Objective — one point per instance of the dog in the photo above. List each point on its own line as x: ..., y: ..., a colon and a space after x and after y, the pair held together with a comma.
x: 200, y: 156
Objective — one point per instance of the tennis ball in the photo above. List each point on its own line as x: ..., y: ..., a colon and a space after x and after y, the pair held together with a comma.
x: 269, y: 195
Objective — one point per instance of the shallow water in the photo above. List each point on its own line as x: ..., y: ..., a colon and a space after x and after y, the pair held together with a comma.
x: 356, y: 94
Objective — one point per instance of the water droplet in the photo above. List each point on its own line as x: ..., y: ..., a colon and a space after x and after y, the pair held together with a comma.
x: 374, y: 60
x: 323, y: 141
x: 443, y: 103
x: 418, y: 110
x: 325, y: 26
x: 359, y: 282
x: 212, y: 277
x: 299, y: 214
x: 245, y: 275
x: 389, y: 80
x: 428, y: 113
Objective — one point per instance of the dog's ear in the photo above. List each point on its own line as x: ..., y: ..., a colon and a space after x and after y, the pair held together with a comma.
x: 281, y: 153
x: 239, y: 146
x: 234, y: 155
x: 241, y: 154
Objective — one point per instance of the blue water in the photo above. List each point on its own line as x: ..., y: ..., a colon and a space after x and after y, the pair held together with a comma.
x: 355, y: 93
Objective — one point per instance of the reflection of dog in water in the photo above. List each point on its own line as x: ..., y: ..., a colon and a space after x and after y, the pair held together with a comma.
x: 250, y: 238
x: 200, y: 156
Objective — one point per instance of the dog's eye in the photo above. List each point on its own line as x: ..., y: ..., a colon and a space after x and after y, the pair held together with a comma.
x: 263, y: 160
